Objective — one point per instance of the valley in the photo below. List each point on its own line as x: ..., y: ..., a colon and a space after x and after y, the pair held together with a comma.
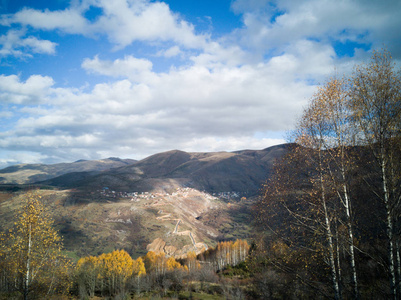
x: 172, y: 202
x: 174, y: 222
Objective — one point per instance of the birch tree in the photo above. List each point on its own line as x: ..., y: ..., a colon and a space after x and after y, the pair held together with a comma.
x: 32, y: 249
x: 331, y: 103
x: 299, y: 212
x: 376, y: 106
x: 310, y: 134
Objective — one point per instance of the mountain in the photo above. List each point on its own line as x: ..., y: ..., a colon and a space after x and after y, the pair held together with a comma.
x: 214, y: 172
x: 30, y: 173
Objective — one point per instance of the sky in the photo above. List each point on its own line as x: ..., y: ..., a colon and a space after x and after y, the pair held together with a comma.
x: 91, y: 79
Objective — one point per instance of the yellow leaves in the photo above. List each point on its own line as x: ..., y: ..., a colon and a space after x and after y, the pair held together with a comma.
x: 231, y: 253
x: 139, y: 267
x: 33, y: 248
x: 159, y: 263
x: 172, y: 264
x: 117, y: 265
x: 150, y: 260
x: 280, y: 248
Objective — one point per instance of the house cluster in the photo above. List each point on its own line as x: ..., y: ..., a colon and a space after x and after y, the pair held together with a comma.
x: 179, y: 192
x: 106, y: 192
x: 228, y: 195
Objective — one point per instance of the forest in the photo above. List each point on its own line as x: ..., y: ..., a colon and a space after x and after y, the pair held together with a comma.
x: 327, y: 225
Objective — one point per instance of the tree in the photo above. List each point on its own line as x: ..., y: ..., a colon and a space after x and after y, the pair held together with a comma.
x: 32, y: 251
x: 191, y: 261
x: 139, y: 271
x: 150, y: 261
x: 139, y: 267
x: 316, y: 194
x: 87, y: 270
x: 329, y: 112
x: 107, y: 273
x: 376, y: 111
x: 115, y: 269
x: 311, y: 132
x: 348, y: 138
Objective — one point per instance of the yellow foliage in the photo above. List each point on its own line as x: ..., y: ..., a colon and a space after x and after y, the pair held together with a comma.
x: 117, y: 263
x: 150, y: 260
x: 172, y: 264
x: 32, y: 250
x: 109, y: 271
x: 139, y: 267
x: 191, y: 262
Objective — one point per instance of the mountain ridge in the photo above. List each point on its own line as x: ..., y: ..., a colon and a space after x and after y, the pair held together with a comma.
x: 242, y: 171
x: 31, y: 173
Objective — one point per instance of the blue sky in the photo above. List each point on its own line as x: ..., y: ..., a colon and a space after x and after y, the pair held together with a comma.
x: 89, y: 79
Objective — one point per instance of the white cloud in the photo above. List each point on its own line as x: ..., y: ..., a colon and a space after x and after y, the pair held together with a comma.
x: 39, y: 46
x: 187, y: 108
x: 122, y: 21
x: 130, y: 67
x: 6, y: 114
x: 127, y: 21
x: 68, y: 20
x: 32, y: 91
x: 170, y: 52
x: 27, y: 157
x: 229, y: 144
x: 359, y: 21
x: 216, y: 55
x: 13, y: 43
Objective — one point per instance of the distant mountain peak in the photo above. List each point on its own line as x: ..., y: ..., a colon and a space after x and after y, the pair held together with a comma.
x: 80, y: 160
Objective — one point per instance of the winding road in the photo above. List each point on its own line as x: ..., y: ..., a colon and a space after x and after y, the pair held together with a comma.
x: 167, y: 217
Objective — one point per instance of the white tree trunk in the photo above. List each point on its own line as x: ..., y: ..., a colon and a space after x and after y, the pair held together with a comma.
x: 389, y: 225
x: 28, y: 263
x: 329, y: 236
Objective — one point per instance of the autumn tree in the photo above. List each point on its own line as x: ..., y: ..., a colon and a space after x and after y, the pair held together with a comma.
x: 31, y: 251
x: 107, y: 273
x: 139, y: 271
x: 115, y: 269
x: 150, y: 261
x: 311, y: 185
x: 376, y: 112
x: 328, y: 112
x: 347, y: 144
x: 225, y: 253
x: 87, y: 275
x: 191, y: 262
x: 311, y: 131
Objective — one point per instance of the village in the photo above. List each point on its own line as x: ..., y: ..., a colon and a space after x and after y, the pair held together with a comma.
x: 179, y: 192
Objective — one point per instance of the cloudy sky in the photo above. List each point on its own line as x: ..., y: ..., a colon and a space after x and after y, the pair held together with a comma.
x: 89, y: 79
